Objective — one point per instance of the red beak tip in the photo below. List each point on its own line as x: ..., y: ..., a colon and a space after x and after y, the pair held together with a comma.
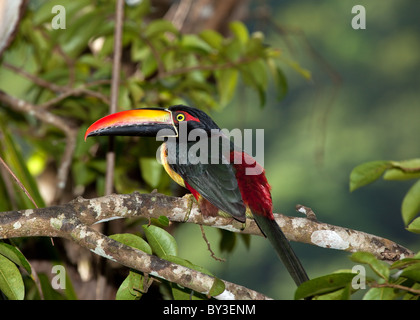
x: 86, y: 134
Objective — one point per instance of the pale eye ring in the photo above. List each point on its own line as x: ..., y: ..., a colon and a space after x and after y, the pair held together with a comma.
x: 180, y: 117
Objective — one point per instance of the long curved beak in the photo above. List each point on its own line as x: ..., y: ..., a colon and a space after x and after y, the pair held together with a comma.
x: 136, y: 122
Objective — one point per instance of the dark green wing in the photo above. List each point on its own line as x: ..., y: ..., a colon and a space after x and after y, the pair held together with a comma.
x: 213, y: 178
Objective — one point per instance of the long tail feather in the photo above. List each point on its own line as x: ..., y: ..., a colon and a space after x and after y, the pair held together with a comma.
x: 282, y: 246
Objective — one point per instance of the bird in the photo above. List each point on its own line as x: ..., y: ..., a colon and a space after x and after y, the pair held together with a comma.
x: 224, y: 180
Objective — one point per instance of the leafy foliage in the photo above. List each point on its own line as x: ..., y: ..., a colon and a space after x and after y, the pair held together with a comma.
x: 399, y: 280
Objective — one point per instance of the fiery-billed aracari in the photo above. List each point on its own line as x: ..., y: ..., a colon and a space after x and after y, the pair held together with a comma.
x: 220, y: 183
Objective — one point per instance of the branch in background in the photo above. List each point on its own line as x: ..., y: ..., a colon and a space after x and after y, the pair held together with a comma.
x: 62, y: 91
x: 194, y: 16
x: 75, y: 92
x: 10, y: 172
x: 178, y: 12
x: 6, y: 177
x: 116, y: 68
x: 38, y: 81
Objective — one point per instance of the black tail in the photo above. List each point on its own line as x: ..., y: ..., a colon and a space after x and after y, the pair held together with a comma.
x: 282, y: 246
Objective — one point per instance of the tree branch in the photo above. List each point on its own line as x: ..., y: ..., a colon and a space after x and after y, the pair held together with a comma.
x: 73, y: 221
x: 185, y: 209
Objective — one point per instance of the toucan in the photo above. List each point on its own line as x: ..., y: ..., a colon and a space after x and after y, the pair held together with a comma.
x: 200, y: 157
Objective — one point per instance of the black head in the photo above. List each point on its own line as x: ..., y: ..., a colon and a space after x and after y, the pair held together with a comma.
x: 195, y: 118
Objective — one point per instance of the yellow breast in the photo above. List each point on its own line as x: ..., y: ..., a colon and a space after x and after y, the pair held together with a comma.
x: 163, y: 158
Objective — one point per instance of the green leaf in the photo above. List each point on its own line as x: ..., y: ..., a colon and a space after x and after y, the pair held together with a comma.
x: 367, y: 173
x: 43, y: 13
x: 187, y: 264
x: 323, y: 285
x: 192, y: 42
x: 380, y: 294
x: 161, y: 242
x: 412, y: 296
x: 217, y: 288
x: 212, y: 38
x: 148, y: 66
x: 15, y: 255
x: 232, y: 50
x: 255, y: 46
x: 341, y: 294
x: 178, y: 260
x: 255, y: 75
x: 403, y: 263
x: 163, y: 220
x: 124, y: 292
x: 135, y: 89
x: 47, y: 290
x: 139, y: 50
x: 279, y: 79
x: 412, y: 272
x: 131, y: 288
x: 124, y: 97
x: 157, y: 27
x: 11, y: 283
x: 228, y: 241
x: 240, y: 31
x: 379, y: 267
x: 78, y: 33
x: 151, y: 171
x: 132, y: 240
x: 398, y: 174
x: 411, y: 203
x: 227, y: 81
x: 403, y: 170
x: 414, y: 226
x: 298, y: 68
x: 246, y: 239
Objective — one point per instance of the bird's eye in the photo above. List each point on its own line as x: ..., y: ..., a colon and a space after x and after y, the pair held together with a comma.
x: 180, y: 117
